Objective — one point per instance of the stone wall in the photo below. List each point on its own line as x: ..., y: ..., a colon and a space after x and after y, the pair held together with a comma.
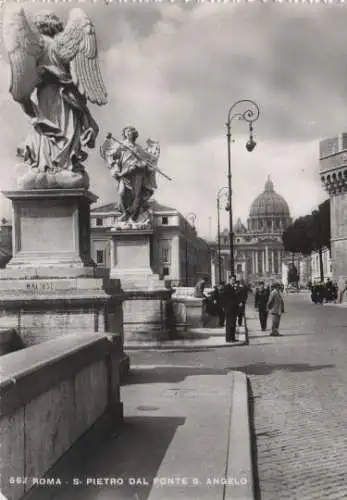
x: 148, y: 315
x: 188, y: 309
x: 338, y: 214
x: 333, y: 174
x: 43, y: 309
x: 50, y: 395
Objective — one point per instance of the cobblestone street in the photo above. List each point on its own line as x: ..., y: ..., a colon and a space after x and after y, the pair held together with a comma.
x: 298, y: 384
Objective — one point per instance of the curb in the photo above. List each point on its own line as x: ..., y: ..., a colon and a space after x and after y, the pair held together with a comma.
x: 186, y: 345
x: 239, y: 467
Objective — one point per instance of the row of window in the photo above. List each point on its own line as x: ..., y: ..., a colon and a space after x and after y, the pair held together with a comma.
x: 165, y: 257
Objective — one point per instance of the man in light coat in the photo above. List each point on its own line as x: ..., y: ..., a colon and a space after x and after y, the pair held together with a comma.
x: 276, y: 306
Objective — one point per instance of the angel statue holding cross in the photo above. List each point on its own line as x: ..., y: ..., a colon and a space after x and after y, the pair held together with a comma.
x: 55, y: 72
x: 134, y: 168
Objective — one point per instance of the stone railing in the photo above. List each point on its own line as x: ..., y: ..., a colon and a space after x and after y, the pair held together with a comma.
x: 50, y: 395
x: 188, y: 291
x: 183, y: 291
x: 188, y: 309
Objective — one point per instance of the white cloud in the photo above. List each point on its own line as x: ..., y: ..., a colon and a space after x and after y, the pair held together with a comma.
x: 174, y: 70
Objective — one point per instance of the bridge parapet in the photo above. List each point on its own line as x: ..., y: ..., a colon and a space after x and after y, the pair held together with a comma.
x: 50, y: 395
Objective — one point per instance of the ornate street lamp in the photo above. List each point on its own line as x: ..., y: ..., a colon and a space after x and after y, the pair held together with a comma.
x: 250, y: 115
x: 191, y: 218
x: 222, y: 192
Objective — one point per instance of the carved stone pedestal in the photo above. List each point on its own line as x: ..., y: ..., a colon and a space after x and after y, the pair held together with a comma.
x: 50, y: 287
x: 42, y: 309
x: 147, y: 308
x: 51, y: 233
x: 131, y: 258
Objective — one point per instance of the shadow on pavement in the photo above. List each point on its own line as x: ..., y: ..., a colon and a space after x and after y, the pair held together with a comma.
x: 132, y: 456
x: 268, y: 368
x: 254, y: 450
x: 163, y: 374
x: 264, y: 335
x: 269, y: 434
x: 189, y: 350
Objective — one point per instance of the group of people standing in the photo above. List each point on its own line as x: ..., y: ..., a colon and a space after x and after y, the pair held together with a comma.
x: 266, y: 300
x: 328, y: 291
x: 228, y: 303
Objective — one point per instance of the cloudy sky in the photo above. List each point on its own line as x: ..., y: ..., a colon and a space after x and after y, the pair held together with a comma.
x: 174, y: 69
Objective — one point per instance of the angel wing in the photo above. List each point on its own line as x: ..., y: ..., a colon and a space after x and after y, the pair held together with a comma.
x: 77, y: 45
x: 24, y: 46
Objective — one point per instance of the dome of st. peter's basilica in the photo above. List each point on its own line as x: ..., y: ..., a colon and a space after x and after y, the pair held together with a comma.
x: 269, y: 212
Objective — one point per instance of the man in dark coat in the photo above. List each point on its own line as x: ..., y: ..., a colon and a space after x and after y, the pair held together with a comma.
x: 242, y: 305
x: 218, y: 303
x: 232, y: 299
x: 260, y: 302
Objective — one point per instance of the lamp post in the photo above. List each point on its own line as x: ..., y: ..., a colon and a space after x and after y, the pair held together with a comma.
x: 191, y: 218
x: 220, y: 193
x: 250, y: 114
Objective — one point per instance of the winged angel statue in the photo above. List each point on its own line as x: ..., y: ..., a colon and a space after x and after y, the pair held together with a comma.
x: 55, y: 71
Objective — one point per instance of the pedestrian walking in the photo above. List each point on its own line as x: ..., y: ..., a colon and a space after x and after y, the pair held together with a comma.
x: 276, y: 306
x: 232, y: 299
x: 243, y: 290
x: 261, y: 299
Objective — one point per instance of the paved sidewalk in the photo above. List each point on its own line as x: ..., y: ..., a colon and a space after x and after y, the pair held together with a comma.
x: 185, y: 435
x: 207, y: 337
x: 335, y: 304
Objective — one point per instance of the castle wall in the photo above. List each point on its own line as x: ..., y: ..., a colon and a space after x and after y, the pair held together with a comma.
x: 333, y: 173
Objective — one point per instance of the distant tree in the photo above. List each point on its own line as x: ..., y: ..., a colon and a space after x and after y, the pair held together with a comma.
x: 320, y: 232
x: 296, y: 238
x: 321, y: 226
x: 292, y: 276
x: 310, y: 233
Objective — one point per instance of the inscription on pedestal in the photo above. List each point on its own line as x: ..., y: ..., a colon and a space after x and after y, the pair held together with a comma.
x: 40, y: 285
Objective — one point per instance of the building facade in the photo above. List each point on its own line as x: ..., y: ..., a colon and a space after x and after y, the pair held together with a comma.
x: 178, y: 254
x: 258, y: 247
x: 327, y: 265
x: 5, y: 242
x: 333, y: 174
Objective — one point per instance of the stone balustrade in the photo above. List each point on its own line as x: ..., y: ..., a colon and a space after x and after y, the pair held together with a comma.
x: 51, y: 394
x: 188, y: 309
